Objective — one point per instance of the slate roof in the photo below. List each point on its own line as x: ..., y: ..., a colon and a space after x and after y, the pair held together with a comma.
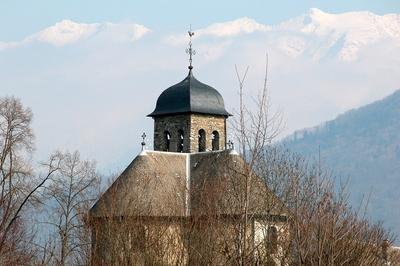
x: 153, y: 184
x: 166, y: 184
x: 190, y: 96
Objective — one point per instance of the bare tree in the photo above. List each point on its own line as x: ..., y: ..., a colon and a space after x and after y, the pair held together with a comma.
x: 324, y: 229
x: 71, y: 193
x: 254, y: 129
x: 17, y: 182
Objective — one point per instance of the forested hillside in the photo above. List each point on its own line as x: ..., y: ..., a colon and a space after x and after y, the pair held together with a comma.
x: 363, y: 144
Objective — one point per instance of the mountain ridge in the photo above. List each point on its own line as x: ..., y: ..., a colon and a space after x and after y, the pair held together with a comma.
x: 364, y: 144
x: 315, y: 33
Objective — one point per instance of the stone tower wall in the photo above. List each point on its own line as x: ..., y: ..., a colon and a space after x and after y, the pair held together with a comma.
x: 209, y: 123
x: 172, y: 124
x: 190, y: 124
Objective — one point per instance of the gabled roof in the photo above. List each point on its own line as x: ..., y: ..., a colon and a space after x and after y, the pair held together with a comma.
x: 190, y: 96
x: 166, y: 184
x: 153, y: 184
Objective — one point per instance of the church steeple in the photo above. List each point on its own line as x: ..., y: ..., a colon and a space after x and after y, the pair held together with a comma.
x: 190, y: 116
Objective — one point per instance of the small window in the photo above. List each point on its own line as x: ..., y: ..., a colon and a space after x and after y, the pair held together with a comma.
x: 215, y: 141
x: 167, y: 141
x: 202, y: 140
x: 272, y: 238
x: 180, y: 141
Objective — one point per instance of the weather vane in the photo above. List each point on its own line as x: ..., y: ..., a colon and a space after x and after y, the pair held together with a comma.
x: 143, y: 141
x: 189, y: 50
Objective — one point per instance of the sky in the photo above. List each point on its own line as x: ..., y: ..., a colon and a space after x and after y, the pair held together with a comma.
x: 92, y: 70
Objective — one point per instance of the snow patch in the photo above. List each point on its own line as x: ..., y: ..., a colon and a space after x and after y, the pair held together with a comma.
x: 357, y: 29
x: 233, y: 28
x: 68, y: 32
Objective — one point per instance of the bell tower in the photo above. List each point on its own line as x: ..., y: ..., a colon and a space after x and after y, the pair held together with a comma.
x: 190, y: 116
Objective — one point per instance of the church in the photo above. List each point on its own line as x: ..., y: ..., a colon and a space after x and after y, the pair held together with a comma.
x: 188, y: 201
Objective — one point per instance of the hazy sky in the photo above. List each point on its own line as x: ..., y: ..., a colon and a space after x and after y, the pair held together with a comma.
x: 92, y: 70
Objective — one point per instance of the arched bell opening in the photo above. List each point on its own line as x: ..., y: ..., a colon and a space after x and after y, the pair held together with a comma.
x: 180, y: 141
x: 215, y: 140
x: 202, y: 140
x: 167, y: 140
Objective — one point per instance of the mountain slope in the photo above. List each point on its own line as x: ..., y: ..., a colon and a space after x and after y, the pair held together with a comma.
x: 363, y: 144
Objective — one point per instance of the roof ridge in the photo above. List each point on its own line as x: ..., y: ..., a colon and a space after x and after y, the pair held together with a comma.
x: 190, y: 87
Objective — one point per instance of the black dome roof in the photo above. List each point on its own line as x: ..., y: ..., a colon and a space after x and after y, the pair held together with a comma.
x: 190, y: 96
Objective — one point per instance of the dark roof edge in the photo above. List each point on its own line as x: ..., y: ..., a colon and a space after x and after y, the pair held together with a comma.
x: 267, y: 217
x: 187, y: 112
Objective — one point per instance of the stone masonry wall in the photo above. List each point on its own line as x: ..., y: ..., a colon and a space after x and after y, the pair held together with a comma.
x: 209, y: 123
x: 172, y: 124
x: 190, y: 124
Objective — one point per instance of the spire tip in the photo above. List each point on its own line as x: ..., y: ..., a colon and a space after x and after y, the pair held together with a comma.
x: 189, y: 50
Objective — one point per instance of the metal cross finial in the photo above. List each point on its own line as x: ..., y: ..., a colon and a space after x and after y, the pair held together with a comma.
x: 189, y: 50
x: 143, y: 141
x: 230, y: 145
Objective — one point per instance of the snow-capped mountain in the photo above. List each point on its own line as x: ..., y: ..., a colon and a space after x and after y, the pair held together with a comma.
x: 315, y: 34
x: 70, y: 32
x: 346, y: 33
